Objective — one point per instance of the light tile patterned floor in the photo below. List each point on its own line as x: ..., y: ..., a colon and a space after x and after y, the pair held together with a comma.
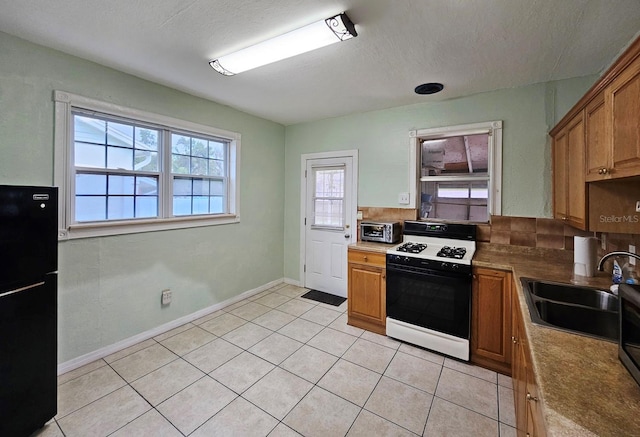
x: 279, y: 365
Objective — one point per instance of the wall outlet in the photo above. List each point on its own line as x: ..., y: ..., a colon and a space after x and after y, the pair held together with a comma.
x: 359, y: 216
x: 632, y: 249
x: 166, y: 297
x: 403, y: 198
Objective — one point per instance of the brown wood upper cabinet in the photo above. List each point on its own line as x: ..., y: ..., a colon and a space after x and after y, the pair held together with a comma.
x: 622, y: 122
x: 491, y: 319
x: 613, y: 128
x: 597, y: 152
x: 366, y: 294
x: 569, y: 189
x: 599, y: 137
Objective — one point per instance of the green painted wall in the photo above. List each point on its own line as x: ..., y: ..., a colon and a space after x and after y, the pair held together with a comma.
x: 109, y: 288
x: 382, y: 138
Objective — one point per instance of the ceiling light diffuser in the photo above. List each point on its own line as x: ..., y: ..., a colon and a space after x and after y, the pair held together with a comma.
x: 302, y: 40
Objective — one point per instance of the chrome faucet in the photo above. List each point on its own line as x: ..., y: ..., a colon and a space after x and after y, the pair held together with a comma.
x: 616, y: 253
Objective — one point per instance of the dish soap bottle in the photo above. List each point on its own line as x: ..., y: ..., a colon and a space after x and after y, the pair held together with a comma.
x: 616, y: 276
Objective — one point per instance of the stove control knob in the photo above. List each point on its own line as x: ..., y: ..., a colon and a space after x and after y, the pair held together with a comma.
x: 444, y: 265
x: 407, y: 259
x: 454, y: 266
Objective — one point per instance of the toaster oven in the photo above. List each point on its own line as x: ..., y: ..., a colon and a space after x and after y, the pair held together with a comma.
x: 380, y: 232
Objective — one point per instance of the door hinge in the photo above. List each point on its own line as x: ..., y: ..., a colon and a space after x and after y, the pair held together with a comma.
x: 305, y: 173
x: 305, y: 268
x: 305, y: 221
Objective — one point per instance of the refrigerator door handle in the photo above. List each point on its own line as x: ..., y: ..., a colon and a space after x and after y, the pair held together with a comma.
x: 18, y: 290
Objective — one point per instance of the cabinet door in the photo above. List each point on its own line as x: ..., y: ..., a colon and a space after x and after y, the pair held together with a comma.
x: 569, y: 187
x: 576, y: 186
x: 596, y: 148
x: 519, y: 368
x: 491, y: 319
x: 366, y: 300
x: 622, y: 100
x: 560, y: 175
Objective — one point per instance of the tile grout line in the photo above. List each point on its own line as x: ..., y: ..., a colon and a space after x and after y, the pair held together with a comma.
x: 306, y: 343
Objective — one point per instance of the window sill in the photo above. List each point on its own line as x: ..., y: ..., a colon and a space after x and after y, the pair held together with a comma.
x: 102, y: 229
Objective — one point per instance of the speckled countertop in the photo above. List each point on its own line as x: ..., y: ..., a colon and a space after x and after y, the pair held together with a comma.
x: 584, y: 388
x: 370, y: 246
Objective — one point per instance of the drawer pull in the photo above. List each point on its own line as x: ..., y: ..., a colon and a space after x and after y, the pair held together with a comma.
x: 531, y: 398
x: 365, y: 258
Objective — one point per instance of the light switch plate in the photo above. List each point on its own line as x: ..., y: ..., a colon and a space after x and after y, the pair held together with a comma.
x: 632, y: 249
x: 359, y: 216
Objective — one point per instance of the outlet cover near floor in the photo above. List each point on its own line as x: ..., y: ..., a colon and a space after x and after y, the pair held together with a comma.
x: 166, y: 297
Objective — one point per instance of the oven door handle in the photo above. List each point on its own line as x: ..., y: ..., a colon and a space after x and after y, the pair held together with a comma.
x: 427, y: 272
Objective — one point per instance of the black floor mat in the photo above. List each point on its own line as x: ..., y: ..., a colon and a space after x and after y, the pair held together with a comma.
x: 321, y: 296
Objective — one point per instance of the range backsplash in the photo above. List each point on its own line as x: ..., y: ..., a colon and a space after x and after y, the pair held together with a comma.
x: 518, y: 231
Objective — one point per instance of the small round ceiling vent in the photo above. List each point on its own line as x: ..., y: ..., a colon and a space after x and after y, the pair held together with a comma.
x: 429, y: 88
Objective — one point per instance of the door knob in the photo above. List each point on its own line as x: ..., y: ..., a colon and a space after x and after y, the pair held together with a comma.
x: 347, y: 236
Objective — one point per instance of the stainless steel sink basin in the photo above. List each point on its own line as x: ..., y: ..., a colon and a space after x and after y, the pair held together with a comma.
x: 571, y: 294
x: 573, y: 308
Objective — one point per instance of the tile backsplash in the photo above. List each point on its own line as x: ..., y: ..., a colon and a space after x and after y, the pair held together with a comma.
x: 518, y: 231
x: 530, y: 232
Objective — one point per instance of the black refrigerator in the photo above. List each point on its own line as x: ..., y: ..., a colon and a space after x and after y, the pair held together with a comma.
x: 28, y: 308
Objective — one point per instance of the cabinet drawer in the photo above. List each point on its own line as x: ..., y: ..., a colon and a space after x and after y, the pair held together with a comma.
x: 368, y: 258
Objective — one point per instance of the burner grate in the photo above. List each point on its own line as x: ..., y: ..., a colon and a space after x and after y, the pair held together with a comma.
x: 452, y: 252
x: 412, y: 247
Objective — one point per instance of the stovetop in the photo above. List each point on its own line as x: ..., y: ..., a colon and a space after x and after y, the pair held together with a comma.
x: 434, y: 243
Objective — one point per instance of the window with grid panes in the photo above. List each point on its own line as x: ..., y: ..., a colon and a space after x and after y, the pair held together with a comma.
x: 132, y: 171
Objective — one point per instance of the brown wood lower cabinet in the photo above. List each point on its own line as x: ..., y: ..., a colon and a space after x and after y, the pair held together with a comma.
x: 366, y: 295
x: 491, y: 319
x: 529, y: 420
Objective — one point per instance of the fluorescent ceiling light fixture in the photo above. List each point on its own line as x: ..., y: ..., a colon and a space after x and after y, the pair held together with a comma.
x: 307, y: 38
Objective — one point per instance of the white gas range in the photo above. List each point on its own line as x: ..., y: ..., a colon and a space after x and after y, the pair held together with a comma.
x: 429, y: 286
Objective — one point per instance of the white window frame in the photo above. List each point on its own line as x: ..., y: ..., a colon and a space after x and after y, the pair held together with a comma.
x: 493, y: 128
x: 64, y: 171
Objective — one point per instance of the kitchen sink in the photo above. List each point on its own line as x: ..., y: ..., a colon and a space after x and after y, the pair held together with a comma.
x: 572, y: 294
x: 572, y: 308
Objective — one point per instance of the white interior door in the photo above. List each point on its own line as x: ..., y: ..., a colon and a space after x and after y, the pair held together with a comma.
x: 329, y: 222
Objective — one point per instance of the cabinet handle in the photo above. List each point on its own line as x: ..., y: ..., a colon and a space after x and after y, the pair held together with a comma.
x: 365, y: 257
x: 565, y: 218
x: 531, y: 398
x: 600, y: 170
x: 605, y: 171
x: 514, y: 340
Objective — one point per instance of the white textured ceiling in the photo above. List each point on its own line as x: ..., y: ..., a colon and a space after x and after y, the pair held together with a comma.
x: 469, y: 45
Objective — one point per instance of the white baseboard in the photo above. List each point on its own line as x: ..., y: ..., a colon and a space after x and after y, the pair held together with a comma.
x: 80, y: 361
x: 292, y: 282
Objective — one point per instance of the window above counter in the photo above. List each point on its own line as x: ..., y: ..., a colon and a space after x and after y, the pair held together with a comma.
x: 457, y: 171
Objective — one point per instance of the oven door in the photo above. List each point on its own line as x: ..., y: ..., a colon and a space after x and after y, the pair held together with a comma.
x: 436, y: 300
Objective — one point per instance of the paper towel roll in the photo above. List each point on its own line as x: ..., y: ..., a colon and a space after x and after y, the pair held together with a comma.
x: 584, y: 252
